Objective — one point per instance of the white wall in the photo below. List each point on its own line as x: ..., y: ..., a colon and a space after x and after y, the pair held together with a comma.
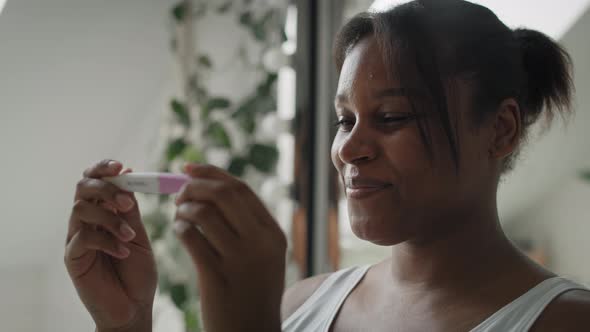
x: 559, y: 218
x: 81, y: 80
x: 549, y: 159
x: 22, y: 299
x: 560, y: 223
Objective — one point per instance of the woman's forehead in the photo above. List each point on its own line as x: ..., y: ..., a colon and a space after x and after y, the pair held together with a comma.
x: 364, y: 70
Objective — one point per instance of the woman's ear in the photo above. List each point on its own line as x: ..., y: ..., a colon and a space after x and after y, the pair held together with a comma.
x: 507, y: 129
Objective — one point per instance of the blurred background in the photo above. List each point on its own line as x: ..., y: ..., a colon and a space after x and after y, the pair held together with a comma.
x: 246, y: 85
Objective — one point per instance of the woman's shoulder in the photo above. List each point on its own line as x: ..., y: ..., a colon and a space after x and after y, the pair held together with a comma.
x: 568, y: 312
x: 297, y: 294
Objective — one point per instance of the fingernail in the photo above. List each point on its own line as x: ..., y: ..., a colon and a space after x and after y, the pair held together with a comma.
x: 180, y: 226
x: 123, y: 251
x: 125, y: 202
x: 113, y: 164
x: 127, y: 232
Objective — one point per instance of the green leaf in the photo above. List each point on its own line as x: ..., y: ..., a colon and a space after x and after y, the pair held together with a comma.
x: 179, y: 295
x: 224, y: 8
x: 164, y: 283
x: 246, y: 18
x: 215, y: 103
x: 267, y: 17
x: 248, y: 107
x: 259, y: 32
x: 247, y: 122
x: 175, y: 148
x: 198, y: 90
x: 257, y: 104
x: 205, y: 61
x: 218, y: 102
x: 192, y: 155
x: 245, y: 115
x: 182, y: 113
x: 259, y: 28
x: 179, y: 11
x: 218, y: 135
x: 263, y: 157
x: 191, y: 320
x: 237, y: 166
x: 265, y: 87
x: 585, y: 175
x: 201, y: 93
x: 157, y: 231
x: 266, y: 104
x: 163, y: 198
x: 157, y: 222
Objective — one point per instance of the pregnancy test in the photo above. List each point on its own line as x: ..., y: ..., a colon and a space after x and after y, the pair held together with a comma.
x: 149, y: 182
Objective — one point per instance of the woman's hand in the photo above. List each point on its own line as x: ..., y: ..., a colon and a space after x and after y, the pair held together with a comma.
x: 238, y: 250
x: 108, y: 255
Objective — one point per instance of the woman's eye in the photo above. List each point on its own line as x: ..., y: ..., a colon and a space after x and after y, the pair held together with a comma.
x: 396, y: 119
x: 344, y: 124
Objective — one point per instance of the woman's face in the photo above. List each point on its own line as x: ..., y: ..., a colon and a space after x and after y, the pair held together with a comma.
x: 395, y: 191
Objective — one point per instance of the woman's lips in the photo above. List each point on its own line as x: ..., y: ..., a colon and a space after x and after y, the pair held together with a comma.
x: 364, y: 192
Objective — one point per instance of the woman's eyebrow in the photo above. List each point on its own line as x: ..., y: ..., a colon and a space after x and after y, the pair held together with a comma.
x: 342, y: 98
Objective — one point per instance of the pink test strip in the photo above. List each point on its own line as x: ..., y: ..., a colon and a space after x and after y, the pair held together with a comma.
x: 171, y: 183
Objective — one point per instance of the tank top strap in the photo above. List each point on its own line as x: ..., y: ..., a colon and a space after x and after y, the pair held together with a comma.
x: 521, y: 314
x: 318, y: 311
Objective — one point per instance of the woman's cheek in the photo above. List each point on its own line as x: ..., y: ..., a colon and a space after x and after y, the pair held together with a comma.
x: 406, y: 152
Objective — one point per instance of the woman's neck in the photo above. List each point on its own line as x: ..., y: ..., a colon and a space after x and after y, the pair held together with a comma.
x: 474, y: 251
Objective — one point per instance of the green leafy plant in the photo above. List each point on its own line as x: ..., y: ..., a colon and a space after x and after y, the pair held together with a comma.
x: 205, y: 122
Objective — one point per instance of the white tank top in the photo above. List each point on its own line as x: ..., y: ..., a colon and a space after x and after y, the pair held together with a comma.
x: 318, y: 312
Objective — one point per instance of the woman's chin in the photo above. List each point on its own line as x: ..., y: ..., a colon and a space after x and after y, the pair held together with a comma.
x: 377, y: 233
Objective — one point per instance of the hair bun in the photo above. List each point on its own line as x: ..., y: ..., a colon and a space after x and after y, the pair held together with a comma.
x: 548, y: 81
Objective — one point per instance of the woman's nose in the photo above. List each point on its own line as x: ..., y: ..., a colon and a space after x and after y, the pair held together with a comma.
x: 358, y: 146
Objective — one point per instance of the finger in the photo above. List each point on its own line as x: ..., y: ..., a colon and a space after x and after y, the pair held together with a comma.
x: 91, y: 214
x: 133, y: 218
x: 91, y: 189
x: 248, y: 198
x: 211, y: 223
x: 88, y: 239
x: 115, y: 200
x: 206, y: 171
x: 126, y: 170
x: 106, y: 167
x: 226, y: 197
x: 201, y: 252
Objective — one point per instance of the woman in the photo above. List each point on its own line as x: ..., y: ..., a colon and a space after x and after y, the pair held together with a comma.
x: 434, y: 101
